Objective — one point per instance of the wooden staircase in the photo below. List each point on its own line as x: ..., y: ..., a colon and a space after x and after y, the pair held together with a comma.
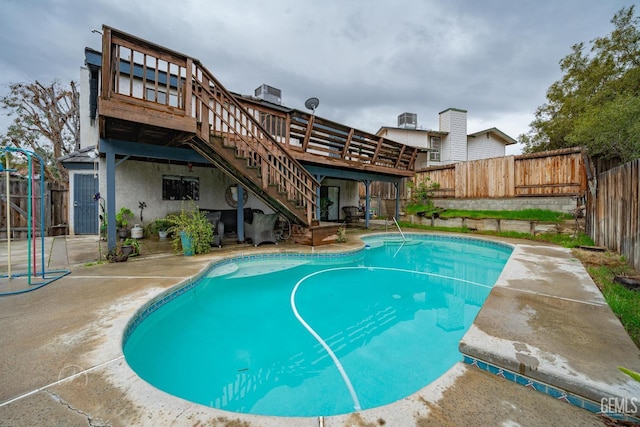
x: 248, y: 168
x: 234, y: 140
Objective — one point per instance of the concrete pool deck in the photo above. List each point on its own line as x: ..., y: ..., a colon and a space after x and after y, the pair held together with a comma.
x: 61, y: 361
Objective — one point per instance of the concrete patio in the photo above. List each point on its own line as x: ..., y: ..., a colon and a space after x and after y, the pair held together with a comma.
x: 62, y: 364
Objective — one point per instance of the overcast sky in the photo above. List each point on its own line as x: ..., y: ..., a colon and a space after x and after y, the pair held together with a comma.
x: 367, y: 61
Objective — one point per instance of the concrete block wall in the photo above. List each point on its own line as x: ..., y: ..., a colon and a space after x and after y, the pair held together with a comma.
x: 489, y: 224
x: 556, y: 204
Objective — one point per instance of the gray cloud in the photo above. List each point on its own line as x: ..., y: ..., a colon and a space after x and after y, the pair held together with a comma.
x: 366, y: 61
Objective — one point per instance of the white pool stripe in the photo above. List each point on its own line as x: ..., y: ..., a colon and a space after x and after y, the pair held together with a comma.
x: 336, y: 361
x: 427, y: 274
x: 60, y: 381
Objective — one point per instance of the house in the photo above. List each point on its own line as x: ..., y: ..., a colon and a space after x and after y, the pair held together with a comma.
x: 158, y: 128
x: 450, y: 143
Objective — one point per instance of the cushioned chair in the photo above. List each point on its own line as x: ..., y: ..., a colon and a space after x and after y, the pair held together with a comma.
x: 262, y: 228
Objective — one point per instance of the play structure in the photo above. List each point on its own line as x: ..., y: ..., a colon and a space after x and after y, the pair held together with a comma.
x: 36, y: 275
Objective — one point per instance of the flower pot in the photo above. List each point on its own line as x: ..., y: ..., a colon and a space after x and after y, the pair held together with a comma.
x: 123, y: 232
x: 162, y: 234
x: 187, y: 243
x: 127, y: 250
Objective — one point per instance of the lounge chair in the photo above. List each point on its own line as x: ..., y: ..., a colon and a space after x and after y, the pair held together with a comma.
x: 262, y: 228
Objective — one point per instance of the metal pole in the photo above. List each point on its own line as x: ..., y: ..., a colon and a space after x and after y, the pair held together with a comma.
x: 42, y: 213
x: 29, y: 213
x: 33, y: 225
x: 8, y: 211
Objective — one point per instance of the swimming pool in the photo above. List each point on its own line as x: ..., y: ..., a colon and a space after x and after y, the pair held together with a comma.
x: 309, y: 335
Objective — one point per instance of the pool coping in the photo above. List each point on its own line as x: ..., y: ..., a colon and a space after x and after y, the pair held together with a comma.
x: 556, y: 334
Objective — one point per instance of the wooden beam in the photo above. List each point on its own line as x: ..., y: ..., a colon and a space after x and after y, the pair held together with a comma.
x: 137, y: 113
x: 349, y: 164
x: 107, y: 54
x: 188, y: 89
x: 400, y: 155
x: 307, y: 135
x: 347, y: 143
x: 378, y: 147
x: 412, y: 162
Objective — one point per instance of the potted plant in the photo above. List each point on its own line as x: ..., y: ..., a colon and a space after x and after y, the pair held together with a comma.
x: 131, y: 247
x: 116, y: 254
x: 160, y: 227
x: 122, y: 221
x: 192, y: 231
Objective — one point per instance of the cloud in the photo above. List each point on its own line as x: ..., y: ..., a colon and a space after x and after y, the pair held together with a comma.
x: 366, y: 61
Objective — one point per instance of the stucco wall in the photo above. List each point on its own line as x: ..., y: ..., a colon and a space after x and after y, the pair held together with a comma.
x: 349, y: 195
x: 142, y: 182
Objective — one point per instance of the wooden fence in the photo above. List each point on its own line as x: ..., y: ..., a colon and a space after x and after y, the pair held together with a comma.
x: 613, y: 212
x: 55, y: 205
x: 551, y: 173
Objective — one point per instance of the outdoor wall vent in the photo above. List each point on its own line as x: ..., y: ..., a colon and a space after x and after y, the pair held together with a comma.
x: 270, y: 94
x: 408, y: 121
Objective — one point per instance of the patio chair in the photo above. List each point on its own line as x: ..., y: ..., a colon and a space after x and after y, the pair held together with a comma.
x: 218, y: 227
x: 262, y: 228
x: 352, y: 214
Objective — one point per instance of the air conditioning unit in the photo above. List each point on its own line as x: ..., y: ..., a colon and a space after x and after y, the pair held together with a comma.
x: 270, y: 94
x: 408, y: 121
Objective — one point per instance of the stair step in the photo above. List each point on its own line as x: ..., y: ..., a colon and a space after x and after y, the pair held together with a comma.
x: 241, y: 162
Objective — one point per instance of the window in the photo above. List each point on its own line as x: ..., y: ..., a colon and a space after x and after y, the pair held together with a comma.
x: 151, y: 96
x: 434, y: 144
x: 180, y: 187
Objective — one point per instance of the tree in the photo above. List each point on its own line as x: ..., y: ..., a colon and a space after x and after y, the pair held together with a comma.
x: 596, y: 103
x: 46, y: 121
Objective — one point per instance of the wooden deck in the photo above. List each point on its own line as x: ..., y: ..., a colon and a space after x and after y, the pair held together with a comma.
x: 153, y: 95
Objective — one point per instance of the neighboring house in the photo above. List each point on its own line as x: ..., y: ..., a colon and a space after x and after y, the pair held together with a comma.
x: 157, y: 127
x: 450, y: 143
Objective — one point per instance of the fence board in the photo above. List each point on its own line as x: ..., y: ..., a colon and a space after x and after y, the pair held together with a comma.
x: 552, y: 173
x: 55, y: 205
x: 613, y: 214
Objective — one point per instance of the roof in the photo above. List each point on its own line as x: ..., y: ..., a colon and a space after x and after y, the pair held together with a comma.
x: 497, y: 132
x: 84, y: 155
x: 435, y: 132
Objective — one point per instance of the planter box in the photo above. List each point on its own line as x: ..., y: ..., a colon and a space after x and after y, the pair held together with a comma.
x: 315, y: 235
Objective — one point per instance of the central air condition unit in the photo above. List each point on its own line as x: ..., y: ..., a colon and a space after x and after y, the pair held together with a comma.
x: 408, y: 121
x: 270, y: 94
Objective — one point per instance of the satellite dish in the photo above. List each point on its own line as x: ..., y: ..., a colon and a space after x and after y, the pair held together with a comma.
x: 312, y: 104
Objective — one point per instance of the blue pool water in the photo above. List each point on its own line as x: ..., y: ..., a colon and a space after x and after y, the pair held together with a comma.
x: 296, y: 335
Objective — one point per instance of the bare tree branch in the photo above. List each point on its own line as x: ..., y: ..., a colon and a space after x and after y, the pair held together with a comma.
x: 49, y: 112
